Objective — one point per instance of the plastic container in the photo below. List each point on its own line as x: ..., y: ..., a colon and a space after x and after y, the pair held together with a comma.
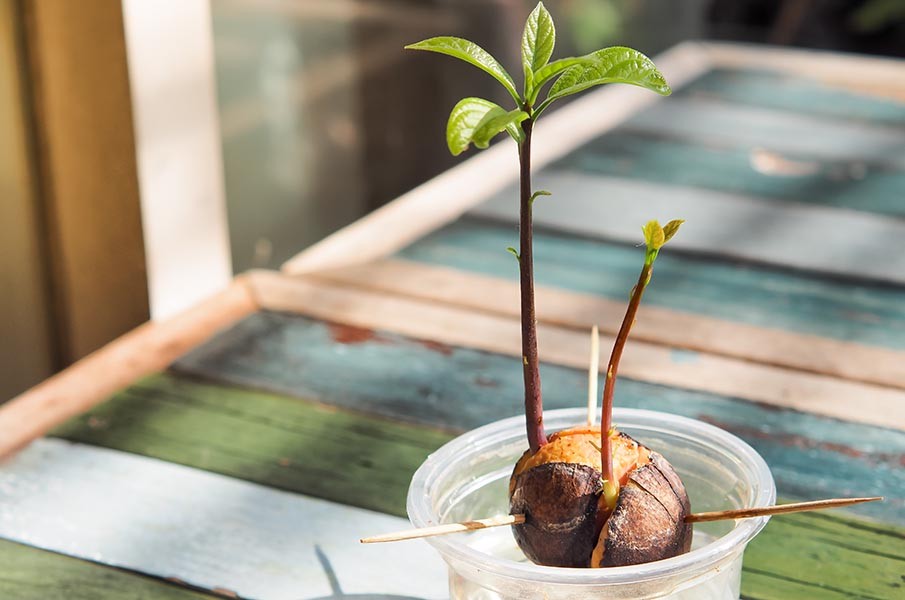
x: 468, y: 479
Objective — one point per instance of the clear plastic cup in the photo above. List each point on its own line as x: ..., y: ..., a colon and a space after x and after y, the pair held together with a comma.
x: 468, y: 479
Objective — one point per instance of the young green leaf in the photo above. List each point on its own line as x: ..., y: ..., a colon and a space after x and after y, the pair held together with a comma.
x: 539, y: 193
x: 671, y: 228
x: 494, y: 122
x: 548, y: 72
x: 472, y: 54
x: 654, y: 236
x: 514, y: 253
x: 611, y: 65
x: 538, y: 40
x: 475, y: 120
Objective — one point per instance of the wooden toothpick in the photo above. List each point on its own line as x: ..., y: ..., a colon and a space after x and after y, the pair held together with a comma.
x: 779, y: 509
x: 721, y: 515
x: 445, y: 529
x: 593, y: 370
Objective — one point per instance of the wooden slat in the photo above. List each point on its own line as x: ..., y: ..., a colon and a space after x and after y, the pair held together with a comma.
x: 776, y: 386
x: 659, y: 325
x: 872, y: 75
x: 427, y: 383
x: 262, y: 438
x: 206, y: 530
x: 443, y: 199
x: 822, y: 556
x: 869, y: 314
x: 761, y: 85
x: 755, y: 173
x: 144, y: 350
x: 32, y: 574
x: 735, y: 226
x: 707, y: 121
x: 864, y: 556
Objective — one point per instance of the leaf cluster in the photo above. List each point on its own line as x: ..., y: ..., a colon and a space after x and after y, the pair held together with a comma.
x: 477, y: 121
x: 656, y: 237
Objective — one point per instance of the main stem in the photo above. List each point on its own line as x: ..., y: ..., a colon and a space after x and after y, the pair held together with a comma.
x: 609, y: 386
x: 534, y: 410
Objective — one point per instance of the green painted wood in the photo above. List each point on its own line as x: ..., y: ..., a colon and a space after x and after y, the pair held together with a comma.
x: 872, y: 314
x: 851, y: 185
x: 30, y: 574
x: 824, y: 555
x: 793, y: 93
x: 459, y: 389
x: 296, y: 445
x: 264, y: 438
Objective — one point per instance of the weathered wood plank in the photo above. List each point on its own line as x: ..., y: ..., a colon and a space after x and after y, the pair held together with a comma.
x: 882, y: 77
x: 760, y: 85
x: 146, y: 349
x: 757, y: 173
x: 799, y: 543
x: 262, y: 438
x: 453, y: 325
x: 733, y: 226
x: 754, y: 295
x: 821, y: 555
x: 32, y: 574
x: 207, y: 530
x: 678, y: 329
x: 706, y: 121
x: 459, y: 389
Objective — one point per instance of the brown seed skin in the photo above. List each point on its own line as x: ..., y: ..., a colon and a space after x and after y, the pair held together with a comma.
x: 648, y: 522
x: 558, y: 491
x: 559, y: 501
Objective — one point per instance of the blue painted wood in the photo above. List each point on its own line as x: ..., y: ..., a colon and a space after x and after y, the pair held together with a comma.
x: 756, y: 295
x: 630, y: 155
x: 707, y: 122
x: 782, y: 91
x: 457, y: 388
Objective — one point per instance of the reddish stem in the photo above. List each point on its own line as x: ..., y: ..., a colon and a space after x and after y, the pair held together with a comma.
x: 609, y: 387
x: 534, y: 410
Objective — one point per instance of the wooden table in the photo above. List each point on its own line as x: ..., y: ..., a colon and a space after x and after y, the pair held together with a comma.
x: 249, y: 462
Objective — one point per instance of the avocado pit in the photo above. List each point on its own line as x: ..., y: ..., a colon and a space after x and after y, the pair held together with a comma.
x: 567, y: 523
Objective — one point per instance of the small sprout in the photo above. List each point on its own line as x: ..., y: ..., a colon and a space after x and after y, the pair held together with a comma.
x: 656, y: 237
x: 538, y: 193
x: 514, y: 253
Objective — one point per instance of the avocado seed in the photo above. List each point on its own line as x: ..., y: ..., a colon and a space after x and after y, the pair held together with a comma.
x: 567, y: 523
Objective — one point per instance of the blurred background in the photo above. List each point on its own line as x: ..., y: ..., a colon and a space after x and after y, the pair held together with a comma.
x: 150, y: 150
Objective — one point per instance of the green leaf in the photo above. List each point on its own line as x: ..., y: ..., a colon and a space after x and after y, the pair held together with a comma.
x: 545, y: 74
x: 514, y: 253
x: 654, y: 235
x: 611, y: 65
x: 671, y: 228
x: 472, y: 54
x: 475, y: 120
x: 496, y: 121
x: 538, y: 40
x: 539, y: 193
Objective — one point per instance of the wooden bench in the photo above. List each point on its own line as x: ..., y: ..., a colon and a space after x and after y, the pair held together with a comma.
x: 241, y: 449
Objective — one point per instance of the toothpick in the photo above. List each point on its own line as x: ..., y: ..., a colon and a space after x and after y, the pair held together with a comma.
x: 445, y: 529
x: 779, y: 509
x: 593, y: 370
x: 741, y: 513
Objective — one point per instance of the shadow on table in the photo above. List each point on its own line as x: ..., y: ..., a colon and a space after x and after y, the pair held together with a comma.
x: 337, y: 590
